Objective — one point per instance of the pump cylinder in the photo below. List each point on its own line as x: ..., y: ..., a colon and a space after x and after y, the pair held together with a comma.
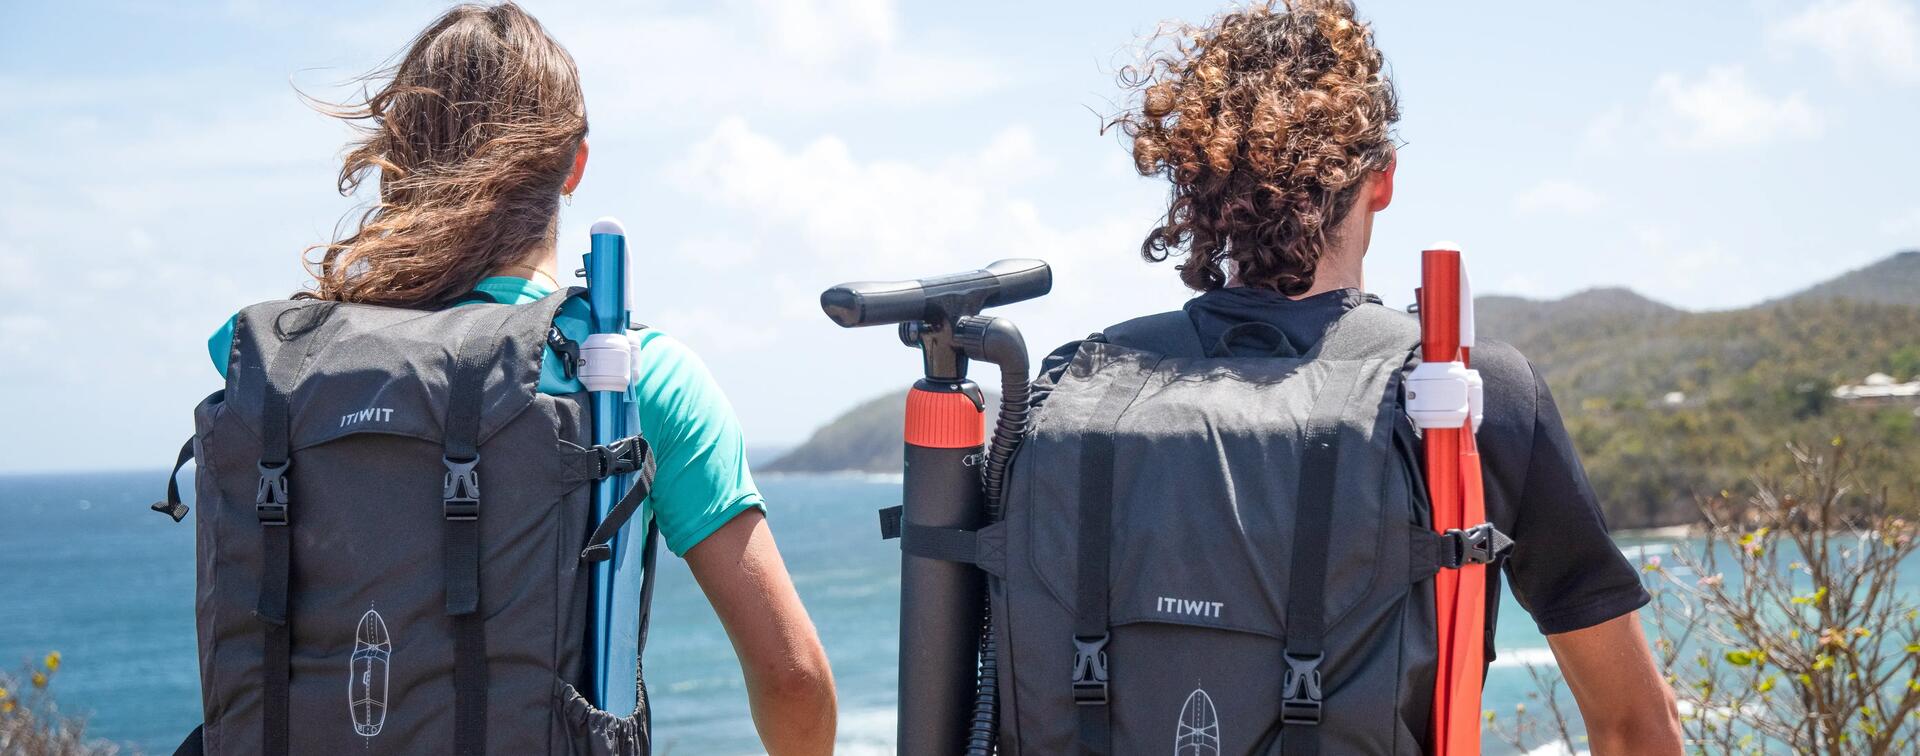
x: 940, y: 601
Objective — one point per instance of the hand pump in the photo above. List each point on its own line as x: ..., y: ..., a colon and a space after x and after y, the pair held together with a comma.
x: 941, y: 601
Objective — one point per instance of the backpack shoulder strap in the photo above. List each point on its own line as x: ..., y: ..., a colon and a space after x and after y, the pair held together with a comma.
x: 1168, y: 333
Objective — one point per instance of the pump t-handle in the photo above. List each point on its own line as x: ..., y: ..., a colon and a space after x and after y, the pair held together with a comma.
x: 938, y: 299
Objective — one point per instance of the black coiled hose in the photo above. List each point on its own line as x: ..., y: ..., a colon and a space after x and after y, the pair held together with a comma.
x: 1015, y: 395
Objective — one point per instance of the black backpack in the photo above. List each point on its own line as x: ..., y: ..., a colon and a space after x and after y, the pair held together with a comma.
x: 1233, y: 555
x: 394, y: 536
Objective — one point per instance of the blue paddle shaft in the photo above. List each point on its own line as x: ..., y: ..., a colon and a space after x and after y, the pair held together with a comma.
x: 611, y: 668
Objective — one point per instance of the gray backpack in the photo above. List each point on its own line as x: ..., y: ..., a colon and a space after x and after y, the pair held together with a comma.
x: 1228, y: 555
x: 360, y: 590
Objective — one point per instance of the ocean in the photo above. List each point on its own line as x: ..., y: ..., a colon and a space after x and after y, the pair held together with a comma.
x: 87, y: 570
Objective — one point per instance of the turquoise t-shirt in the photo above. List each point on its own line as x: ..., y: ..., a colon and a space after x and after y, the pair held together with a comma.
x: 701, y: 480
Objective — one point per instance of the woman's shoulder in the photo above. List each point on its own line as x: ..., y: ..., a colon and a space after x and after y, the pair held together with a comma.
x: 668, y: 372
x: 658, y: 349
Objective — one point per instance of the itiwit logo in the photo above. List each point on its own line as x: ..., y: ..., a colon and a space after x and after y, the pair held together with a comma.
x: 1188, y: 607
x: 370, y: 414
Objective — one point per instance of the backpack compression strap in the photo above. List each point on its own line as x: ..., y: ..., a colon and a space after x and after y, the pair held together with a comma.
x: 1302, y: 694
x: 272, y: 507
x: 1095, y: 541
x: 460, y: 504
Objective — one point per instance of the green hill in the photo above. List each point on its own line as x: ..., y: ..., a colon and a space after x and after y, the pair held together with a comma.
x: 863, y: 439
x: 1663, y: 403
x: 1895, y: 280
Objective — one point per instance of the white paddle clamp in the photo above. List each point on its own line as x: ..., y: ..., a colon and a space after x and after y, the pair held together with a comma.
x: 1449, y: 394
x: 606, y: 362
x: 1440, y: 394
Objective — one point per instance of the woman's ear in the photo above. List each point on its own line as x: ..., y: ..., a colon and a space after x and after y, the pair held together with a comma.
x: 579, y: 169
x: 1380, y: 188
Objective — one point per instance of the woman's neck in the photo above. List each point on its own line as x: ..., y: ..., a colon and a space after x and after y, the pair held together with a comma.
x: 542, y: 264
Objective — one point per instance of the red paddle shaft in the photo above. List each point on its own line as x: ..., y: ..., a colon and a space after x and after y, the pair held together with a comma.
x: 1455, y: 491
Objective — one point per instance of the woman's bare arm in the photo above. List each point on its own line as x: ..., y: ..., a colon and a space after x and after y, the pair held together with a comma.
x: 788, y: 682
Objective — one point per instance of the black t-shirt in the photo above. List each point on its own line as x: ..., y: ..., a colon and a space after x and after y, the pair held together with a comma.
x: 1564, y: 567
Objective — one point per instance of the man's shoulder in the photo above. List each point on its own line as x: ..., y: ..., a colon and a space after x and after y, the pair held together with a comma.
x: 1501, y: 364
x: 1511, y: 400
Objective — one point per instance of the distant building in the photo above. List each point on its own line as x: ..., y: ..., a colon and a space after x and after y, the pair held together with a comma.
x: 1880, y: 390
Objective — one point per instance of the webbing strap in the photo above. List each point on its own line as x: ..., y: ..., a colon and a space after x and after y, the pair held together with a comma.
x: 643, y: 711
x: 273, y: 507
x: 172, y: 506
x: 461, y: 527
x: 636, y: 458
x: 1302, y: 694
x: 1091, y: 669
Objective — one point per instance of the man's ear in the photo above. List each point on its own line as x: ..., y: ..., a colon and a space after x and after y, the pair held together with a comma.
x: 579, y: 169
x: 1380, y: 191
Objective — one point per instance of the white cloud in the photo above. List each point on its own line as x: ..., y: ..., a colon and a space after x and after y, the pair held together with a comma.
x: 1721, y: 108
x: 761, y: 58
x: 901, y: 213
x: 1558, y: 196
x: 824, y: 209
x: 827, y: 29
x: 1876, y: 38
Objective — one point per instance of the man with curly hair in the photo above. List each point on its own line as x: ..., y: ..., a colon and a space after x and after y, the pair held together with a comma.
x: 1273, y: 126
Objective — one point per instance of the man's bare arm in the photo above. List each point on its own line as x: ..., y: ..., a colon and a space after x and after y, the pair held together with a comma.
x: 1623, y: 698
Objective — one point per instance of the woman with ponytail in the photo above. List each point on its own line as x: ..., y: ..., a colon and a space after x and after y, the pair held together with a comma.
x: 473, y: 139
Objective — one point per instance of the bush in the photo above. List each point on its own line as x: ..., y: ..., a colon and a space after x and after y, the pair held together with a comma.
x: 30, y: 721
x: 1786, y: 630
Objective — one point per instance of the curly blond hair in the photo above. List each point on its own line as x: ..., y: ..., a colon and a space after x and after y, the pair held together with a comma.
x: 1265, y: 121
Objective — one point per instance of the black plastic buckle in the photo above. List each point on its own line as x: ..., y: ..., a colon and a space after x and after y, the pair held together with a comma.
x: 270, y: 500
x: 460, y: 494
x: 1300, y: 690
x: 1090, y: 670
x: 567, y: 350
x: 1475, y: 545
x: 621, y: 457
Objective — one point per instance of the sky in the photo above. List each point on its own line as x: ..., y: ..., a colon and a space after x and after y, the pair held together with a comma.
x: 159, y: 170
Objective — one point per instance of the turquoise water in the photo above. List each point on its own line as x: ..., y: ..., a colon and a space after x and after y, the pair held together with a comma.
x: 87, y: 570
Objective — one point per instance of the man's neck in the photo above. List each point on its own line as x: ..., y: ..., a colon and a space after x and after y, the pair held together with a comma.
x: 1337, y: 271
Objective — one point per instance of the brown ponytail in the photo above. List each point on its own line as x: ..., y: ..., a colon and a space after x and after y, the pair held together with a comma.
x: 1264, y: 121
x: 473, y: 136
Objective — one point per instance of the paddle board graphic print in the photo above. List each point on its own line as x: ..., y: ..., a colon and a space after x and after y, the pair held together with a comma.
x: 367, y: 680
x: 1199, y: 731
